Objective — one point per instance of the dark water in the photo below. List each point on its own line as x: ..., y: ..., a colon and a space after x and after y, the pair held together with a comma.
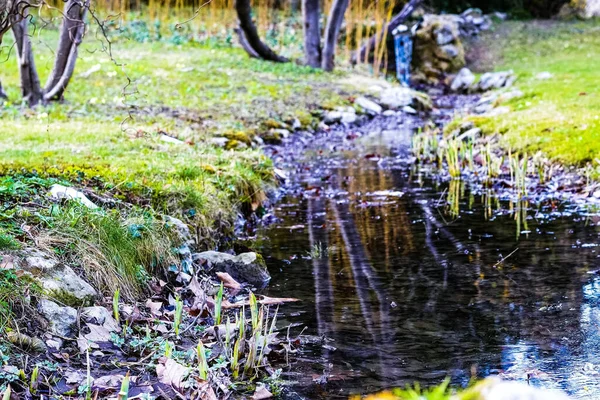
x: 401, y: 278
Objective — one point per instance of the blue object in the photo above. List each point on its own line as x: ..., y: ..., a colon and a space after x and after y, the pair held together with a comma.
x: 403, y: 47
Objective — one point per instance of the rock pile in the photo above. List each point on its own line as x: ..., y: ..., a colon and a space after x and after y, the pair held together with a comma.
x: 465, y: 81
x: 438, y: 50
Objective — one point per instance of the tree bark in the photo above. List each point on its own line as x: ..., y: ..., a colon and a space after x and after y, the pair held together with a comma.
x: 30, y: 81
x: 3, y: 95
x: 311, y: 11
x: 71, y: 35
x: 244, y: 12
x: 334, y: 23
x: 245, y: 45
x: 363, y: 53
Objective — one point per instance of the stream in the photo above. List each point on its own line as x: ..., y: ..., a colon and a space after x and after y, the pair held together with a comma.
x: 405, y: 279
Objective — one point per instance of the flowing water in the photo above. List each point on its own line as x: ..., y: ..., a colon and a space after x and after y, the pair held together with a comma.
x: 401, y: 278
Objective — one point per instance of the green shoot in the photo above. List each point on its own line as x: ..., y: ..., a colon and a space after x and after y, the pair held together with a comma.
x: 254, y: 311
x: 116, y: 305
x: 7, y: 393
x: 168, y: 349
x: 202, y: 361
x: 33, y: 382
x: 124, y: 392
x: 218, y: 305
x: 178, y: 315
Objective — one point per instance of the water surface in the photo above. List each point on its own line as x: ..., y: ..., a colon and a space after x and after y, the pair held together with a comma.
x: 405, y: 279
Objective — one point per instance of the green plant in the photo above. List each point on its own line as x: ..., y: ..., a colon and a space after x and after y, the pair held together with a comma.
x: 218, y: 305
x: 124, y: 392
x: 202, y: 361
x: 115, y: 304
x: 33, y: 382
x: 178, y: 315
x: 7, y: 392
x: 453, y: 159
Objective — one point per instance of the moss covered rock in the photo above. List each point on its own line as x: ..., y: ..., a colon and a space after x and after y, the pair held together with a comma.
x: 59, y: 281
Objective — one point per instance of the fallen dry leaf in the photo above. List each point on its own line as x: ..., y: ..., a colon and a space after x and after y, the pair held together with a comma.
x: 154, y: 307
x: 171, y: 373
x: 261, y: 393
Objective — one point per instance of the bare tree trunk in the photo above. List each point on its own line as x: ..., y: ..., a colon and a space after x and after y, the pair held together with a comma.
x: 363, y: 53
x: 71, y: 35
x: 334, y: 22
x: 2, y: 93
x: 311, y: 11
x: 30, y: 81
x: 245, y: 45
x: 244, y: 12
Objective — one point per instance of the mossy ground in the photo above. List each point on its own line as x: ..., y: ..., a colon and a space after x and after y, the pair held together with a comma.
x: 107, y: 136
x: 107, y: 132
x: 558, y: 116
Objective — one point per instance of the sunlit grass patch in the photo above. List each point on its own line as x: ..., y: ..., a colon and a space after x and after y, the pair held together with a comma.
x: 559, y: 116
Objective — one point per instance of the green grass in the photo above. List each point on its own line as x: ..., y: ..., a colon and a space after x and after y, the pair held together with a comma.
x: 106, y: 134
x: 559, y: 116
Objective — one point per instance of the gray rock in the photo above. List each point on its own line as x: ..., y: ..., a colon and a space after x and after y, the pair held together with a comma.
x: 61, y: 320
x: 443, y: 35
x: 389, y: 113
x: 399, y: 97
x: 332, y: 117
x: 369, y: 106
x: 245, y: 267
x: 395, y: 98
x: 448, y: 52
x: 495, y: 80
x: 182, y: 229
x: 99, y: 316
x: 57, y: 279
x: 510, y: 95
x: 218, y: 141
x: 348, y: 118
x: 296, y: 124
x: 463, y: 80
x: 483, y: 108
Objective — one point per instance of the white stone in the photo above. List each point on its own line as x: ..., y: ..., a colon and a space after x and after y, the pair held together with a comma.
x: 59, y: 192
x: 348, y: 118
x: 219, y: 141
x: 544, y: 75
x: 368, y: 105
x: 333, y: 116
x: 170, y: 139
x: 463, y: 80
x: 409, y: 110
x: 398, y: 97
x: 389, y: 113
